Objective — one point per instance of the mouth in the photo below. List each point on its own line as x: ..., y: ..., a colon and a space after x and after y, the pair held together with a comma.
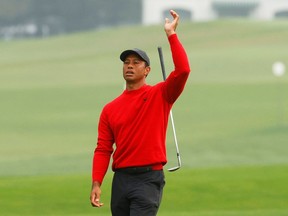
x: 129, y: 73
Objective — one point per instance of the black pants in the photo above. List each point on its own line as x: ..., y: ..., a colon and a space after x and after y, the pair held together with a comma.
x: 137, y: 194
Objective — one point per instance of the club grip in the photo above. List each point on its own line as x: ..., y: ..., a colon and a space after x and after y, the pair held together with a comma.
x: 162, y: 62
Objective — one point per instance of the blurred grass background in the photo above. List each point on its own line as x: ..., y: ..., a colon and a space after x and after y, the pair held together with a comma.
x: 231, y: 120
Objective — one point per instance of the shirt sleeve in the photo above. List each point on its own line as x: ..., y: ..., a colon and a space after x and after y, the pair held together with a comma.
x: 103, y: 150
x: 174, y: 84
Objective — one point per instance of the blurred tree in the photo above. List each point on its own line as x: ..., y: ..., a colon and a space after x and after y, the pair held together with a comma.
x: 11, y: 10
x: 66, y: 16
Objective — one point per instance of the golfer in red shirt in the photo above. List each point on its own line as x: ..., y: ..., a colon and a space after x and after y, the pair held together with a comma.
x: 136, y: 122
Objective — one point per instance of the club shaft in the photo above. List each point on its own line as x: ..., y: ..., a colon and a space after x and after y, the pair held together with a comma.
x: 171, y: 113
x: 175, y: 137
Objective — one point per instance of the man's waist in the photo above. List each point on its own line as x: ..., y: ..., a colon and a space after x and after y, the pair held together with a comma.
x: 140, y: 169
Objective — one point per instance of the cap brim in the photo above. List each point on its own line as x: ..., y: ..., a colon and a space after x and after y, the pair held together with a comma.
x: 125, y: 53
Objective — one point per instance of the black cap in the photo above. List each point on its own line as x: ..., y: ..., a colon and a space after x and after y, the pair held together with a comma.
x: 139, y: 52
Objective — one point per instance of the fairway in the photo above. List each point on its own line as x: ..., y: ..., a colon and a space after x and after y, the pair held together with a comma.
x: 222, y: 191
x: 231, y: 120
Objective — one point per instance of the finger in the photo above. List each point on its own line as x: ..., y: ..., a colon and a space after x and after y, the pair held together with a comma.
x: 167, y: 20
x: 175, y: 17
x: 174, y: 14
x: 93, y: 202
x: 96, y: 203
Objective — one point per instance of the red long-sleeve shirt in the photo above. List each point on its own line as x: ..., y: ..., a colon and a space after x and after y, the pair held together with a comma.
x: 136, y: 121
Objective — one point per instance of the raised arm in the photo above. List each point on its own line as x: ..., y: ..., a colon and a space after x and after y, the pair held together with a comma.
x: 175, y: 82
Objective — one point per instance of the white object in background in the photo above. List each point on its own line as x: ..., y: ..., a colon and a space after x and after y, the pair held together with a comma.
x: 278, y: 69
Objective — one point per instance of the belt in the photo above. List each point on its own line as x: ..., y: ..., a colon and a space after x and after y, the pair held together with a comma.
x: 141, y: 169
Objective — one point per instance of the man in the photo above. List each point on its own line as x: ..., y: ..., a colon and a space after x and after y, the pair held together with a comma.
x: 136, y: 122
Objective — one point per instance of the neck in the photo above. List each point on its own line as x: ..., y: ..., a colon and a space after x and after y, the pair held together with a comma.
x: 134, y: 86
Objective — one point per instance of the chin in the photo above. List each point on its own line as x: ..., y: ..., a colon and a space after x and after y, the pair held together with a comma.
x: 129, y: 79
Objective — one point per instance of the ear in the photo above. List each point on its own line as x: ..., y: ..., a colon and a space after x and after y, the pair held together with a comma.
x: 147, y: 70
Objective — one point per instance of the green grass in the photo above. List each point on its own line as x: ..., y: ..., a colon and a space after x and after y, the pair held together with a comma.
x: 224, y: 191
x: 231, y: 120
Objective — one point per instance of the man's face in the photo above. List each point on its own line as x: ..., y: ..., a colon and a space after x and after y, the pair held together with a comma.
x: 134, y: 69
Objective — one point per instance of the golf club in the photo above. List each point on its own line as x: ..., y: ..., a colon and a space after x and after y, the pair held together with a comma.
x: 171, y: 114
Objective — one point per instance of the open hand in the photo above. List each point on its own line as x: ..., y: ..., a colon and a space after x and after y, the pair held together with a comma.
x: 170, y: 26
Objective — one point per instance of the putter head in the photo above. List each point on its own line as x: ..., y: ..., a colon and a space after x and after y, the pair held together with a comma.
x: 174, y: 169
